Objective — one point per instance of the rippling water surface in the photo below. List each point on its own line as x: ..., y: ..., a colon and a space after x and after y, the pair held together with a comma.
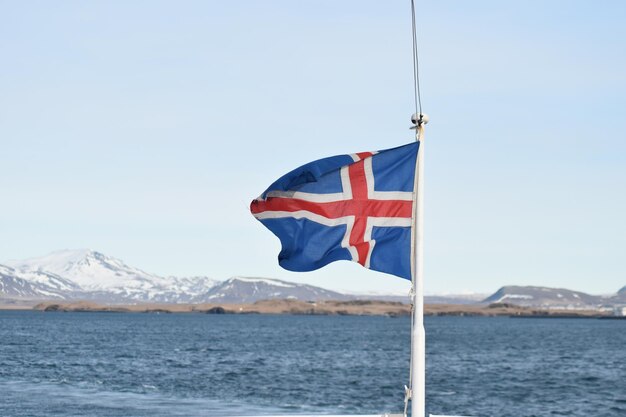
x: 108, y: 364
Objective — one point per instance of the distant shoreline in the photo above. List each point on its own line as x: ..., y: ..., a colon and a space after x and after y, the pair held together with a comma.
x: 328, y: 308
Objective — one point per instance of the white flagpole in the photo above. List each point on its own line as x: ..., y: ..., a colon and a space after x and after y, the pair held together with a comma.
x: 418, y: 335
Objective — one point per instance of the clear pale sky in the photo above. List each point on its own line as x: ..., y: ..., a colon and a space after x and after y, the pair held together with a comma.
x: 143, y: 129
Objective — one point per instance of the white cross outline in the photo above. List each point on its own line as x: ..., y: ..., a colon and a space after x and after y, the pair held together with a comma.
x: 346, y: 194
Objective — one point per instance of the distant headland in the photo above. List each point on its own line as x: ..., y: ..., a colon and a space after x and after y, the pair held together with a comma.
x: 326, y: 308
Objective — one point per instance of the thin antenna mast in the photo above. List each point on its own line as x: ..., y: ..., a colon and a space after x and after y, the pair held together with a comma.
x: 417, y: 378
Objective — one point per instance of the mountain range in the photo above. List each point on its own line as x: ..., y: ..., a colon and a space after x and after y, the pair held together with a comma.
x: 90, y: 275
x: 529, y: 296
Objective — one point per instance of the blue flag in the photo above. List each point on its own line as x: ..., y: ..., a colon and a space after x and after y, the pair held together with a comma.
x: 356, y: 207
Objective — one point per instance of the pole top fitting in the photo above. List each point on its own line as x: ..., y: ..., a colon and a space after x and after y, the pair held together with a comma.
x: 419, y: 119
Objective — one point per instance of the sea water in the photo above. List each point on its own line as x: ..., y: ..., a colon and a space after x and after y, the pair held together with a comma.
x: 117, y: 364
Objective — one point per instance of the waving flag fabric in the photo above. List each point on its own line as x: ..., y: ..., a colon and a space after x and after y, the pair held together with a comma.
x: 354, y: 207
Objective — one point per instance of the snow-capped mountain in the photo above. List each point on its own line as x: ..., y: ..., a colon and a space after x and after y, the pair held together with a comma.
x: 90, y: 270
x: 249, y: 290
x: 35, y: 284
x: 92, y: 275
x: 544, y: 297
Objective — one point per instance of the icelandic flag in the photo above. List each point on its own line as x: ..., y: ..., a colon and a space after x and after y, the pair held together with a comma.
x: 356, y: 207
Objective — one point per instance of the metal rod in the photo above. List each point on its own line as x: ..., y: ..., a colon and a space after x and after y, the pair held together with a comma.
x: 418, y: 335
